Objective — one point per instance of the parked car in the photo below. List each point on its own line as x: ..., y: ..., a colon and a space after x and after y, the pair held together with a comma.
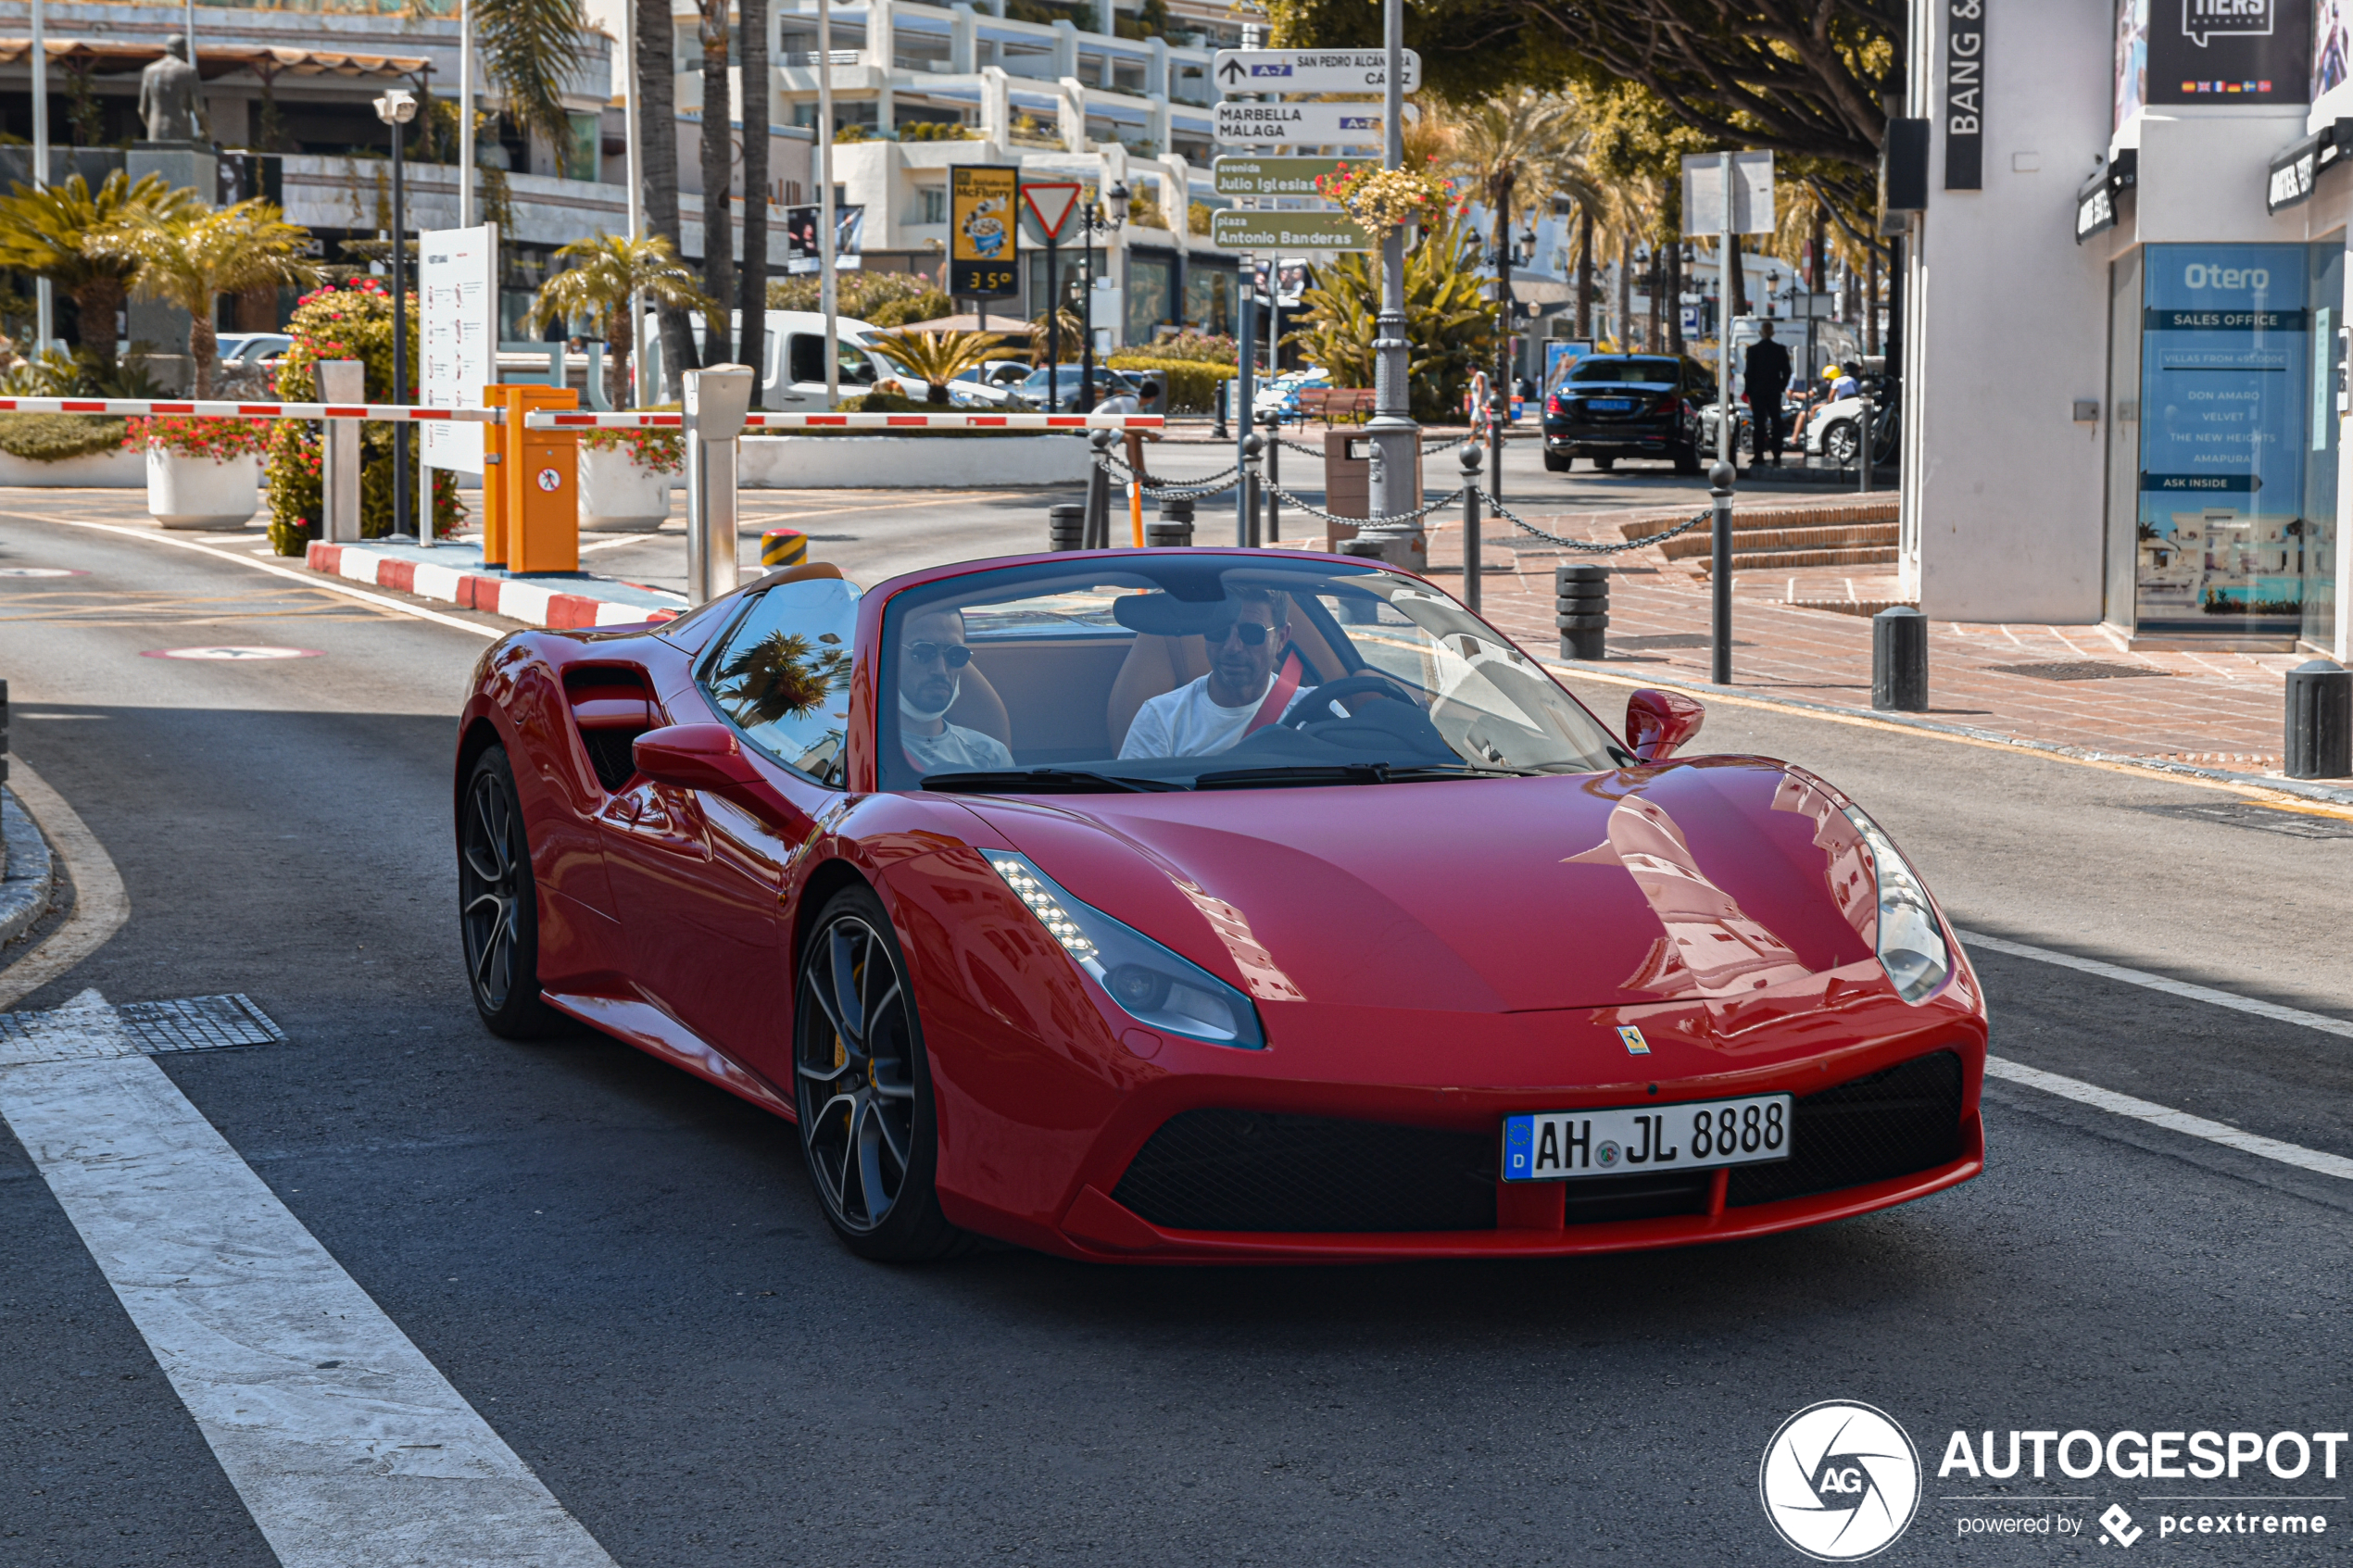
x: 989, y: 385
x: 1031, y: 394
x: 1279, y: 395
x: 1613, y: 406
x: 792, y: 359
x: 1835, y: 431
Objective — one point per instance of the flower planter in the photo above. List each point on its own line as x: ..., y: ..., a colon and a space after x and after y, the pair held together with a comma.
x: 617, y: 496
x: 202, y: 493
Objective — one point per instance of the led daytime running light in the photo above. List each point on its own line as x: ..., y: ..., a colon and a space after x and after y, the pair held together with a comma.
x: 1051, y: 915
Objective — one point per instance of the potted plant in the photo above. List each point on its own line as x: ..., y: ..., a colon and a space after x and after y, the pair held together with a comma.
x: 625, y: 479
x: 201, y: 474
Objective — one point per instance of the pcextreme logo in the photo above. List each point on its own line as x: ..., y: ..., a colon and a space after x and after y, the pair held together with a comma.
x: 1840, y: 1481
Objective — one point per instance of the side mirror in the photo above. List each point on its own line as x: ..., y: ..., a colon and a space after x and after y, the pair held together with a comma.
x: 694, y: 757
x: 1657, y: 722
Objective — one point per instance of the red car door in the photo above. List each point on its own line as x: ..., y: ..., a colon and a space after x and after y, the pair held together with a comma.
x: 698, y: 877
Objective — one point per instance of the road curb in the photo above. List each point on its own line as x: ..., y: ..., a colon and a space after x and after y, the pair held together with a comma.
x: 31, y: 876
x: 585, y: 602
x: 2309, y: 789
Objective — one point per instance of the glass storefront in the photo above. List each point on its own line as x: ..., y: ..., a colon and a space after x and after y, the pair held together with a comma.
x: 2236, y: 469
x: 2327, y: 381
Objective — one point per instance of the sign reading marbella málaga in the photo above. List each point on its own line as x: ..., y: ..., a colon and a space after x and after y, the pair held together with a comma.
x: 1307, y: 125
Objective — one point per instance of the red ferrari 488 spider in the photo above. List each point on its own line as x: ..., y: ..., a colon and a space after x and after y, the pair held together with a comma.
x: 1209, y: 906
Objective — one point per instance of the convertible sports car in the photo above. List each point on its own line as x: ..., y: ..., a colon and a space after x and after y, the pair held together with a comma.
x: 1209, y: 906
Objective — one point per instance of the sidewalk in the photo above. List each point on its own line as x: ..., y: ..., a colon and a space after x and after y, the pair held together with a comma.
x: 2074, y: 689
x: 454, y: 574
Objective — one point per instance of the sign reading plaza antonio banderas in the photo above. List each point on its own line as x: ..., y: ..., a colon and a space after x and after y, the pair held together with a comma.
x: 1286, y: 230
x: 983, y: 237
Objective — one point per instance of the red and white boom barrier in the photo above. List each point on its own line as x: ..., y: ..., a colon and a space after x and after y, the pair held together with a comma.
x: 149, y: 408
x: 964, y: 420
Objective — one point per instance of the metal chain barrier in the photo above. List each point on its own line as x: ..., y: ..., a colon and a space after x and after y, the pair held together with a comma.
x: 1185, y: 489
x: 1586, y: 546
x: 1363, y: 522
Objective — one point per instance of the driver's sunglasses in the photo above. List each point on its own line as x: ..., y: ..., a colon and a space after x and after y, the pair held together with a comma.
x: 1253, y: 634
x: 956, y: 655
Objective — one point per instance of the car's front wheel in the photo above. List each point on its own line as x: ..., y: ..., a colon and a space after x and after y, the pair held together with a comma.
x: 862, y: 1087
x: 499, y: 904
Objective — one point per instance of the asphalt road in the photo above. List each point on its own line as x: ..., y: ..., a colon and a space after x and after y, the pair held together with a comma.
x: 626, y: 1272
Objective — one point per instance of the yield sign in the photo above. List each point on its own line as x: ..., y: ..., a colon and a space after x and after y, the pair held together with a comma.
x: 1051, y: 202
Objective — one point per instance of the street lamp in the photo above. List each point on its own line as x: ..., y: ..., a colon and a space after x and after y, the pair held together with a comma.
x: 397, y: 108
x: 1094, y: 220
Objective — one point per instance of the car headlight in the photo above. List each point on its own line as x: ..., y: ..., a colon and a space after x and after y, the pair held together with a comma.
x: 1144, y: 979
x: 1911, y: 944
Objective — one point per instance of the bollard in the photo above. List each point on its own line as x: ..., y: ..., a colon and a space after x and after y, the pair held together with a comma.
x: 782, y: 547
x: 1472, y: 526
x: 1581, y: 609
x: 2320, y: 721
x: 1065, y: 528
x: 1273, y: 420
x: 1719, y: 636
x: 717, y: 399
x: 1097, y: 534
x: 1899, y: 660
x: 1175, y: 528
x: 1253, y: 445
x: 345, y: 381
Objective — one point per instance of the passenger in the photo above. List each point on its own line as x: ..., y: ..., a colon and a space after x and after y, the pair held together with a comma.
x: 932, y: 656
x: 1241, y: 693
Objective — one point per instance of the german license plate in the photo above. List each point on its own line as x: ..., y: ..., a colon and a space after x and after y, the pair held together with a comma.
x: 1611, y: 405
x: 1554, y: 1146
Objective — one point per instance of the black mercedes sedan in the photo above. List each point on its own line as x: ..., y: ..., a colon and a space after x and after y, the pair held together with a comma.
x: 1613, y: 406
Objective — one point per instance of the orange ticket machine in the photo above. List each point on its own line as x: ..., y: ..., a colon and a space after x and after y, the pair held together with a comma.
x: 530, y: 485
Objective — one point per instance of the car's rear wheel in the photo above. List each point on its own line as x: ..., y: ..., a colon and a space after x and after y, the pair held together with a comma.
x: 1557, y: 462
x: 499, y: 904
x: 1687, y: 459
x: 1839, y: 441
x: 862, y: 1087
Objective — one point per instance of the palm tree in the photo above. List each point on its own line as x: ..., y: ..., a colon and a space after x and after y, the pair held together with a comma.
x: 191, y: 258
x: 751, y: 24
x: 936, y: 359
x: 530, y: 48
x: 606, y: 272
x: 1512, y: 146
x: 49, y: 233
x: 655, y: 53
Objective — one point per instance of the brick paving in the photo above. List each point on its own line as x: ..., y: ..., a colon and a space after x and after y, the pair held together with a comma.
x: 2076, y: 687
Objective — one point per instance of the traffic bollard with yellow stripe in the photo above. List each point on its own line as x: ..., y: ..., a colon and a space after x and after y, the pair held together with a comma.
x: 539, y: 482
x: 782, y: 547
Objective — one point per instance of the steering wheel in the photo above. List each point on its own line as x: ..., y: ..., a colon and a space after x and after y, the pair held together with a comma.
x: 1315, y: 705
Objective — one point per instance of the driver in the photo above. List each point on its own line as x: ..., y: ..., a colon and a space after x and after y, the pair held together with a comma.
x: 932, y: 656
x: 1247, y: 638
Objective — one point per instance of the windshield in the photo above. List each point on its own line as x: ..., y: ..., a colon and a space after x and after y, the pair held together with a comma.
x: 1210, y: 672
x: 1648, y: 373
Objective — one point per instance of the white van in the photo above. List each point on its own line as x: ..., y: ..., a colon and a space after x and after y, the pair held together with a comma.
x: 792, y: 359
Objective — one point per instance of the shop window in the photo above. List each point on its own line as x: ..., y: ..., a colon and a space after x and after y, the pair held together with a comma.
x: 2219, y: 544
x: 2327, y: 393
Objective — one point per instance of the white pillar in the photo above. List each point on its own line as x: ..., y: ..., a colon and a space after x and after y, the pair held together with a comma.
x: 1070, y: 112
x: 963, y: 56
x: 1156, y: 69
x: 997, y: 111
x: 1065, y: 49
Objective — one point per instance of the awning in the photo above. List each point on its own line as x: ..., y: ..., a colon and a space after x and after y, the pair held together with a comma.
x: 2095, y: 202
x: 2297, y: 165
x: 215, y: 60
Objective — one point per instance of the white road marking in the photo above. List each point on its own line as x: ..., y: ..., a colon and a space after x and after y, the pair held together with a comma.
x: 231, y: 651
x: 2173, y: 1121
x: 2142, y: 978
x: 100, y: 905
x: 346, y: 1445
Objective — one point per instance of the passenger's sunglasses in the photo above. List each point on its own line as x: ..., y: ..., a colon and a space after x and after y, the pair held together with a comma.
x: 1253, y: 634
x: 955, y: 654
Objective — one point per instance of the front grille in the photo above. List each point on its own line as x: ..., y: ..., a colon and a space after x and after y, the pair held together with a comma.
x: 1890, y: 1124
x: 1590, y: 1200
x: 1257, y: 1171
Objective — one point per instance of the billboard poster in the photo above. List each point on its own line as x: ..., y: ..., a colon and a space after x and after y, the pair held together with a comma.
x: 984, y: 233
x: 457, y: 334
x: 2229, y: 51
x: 2225, y: 337
x: 2131, y: 90
x: 2332, y: 47
x: 800, y: 236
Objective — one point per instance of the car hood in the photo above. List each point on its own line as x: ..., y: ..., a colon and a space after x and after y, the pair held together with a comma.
x: 1713, y: 879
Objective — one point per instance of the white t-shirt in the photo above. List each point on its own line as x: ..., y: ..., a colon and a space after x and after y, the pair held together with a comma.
x: 1185, y: 723
x: 955, y: 750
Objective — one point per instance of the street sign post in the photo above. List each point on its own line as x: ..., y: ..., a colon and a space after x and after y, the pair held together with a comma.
x: 1050, y: 203
x: 1315, y: 125
x: 1271, y: 176
x: 1286, y: 230
x: 1309, y: 70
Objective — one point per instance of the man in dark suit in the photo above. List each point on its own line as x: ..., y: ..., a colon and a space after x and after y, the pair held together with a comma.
x: 1765, y: 373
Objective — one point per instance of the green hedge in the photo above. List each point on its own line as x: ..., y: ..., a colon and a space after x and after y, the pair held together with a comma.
x: 52, y: 438
x: 1189, y: 385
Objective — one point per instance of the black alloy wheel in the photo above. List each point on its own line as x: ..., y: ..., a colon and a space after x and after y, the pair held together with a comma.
x: 1840, y: 440
x: 499, y: 904
x: 862, y: 1088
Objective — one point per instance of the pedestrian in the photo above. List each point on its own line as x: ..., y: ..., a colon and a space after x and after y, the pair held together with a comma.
x: 1765, y: 370
x: 1112, y: 398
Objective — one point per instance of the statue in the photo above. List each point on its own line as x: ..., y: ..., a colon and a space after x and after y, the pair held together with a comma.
x: 167, y: 94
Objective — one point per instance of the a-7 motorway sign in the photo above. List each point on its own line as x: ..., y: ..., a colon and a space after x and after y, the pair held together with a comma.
x: 1309, y: 70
